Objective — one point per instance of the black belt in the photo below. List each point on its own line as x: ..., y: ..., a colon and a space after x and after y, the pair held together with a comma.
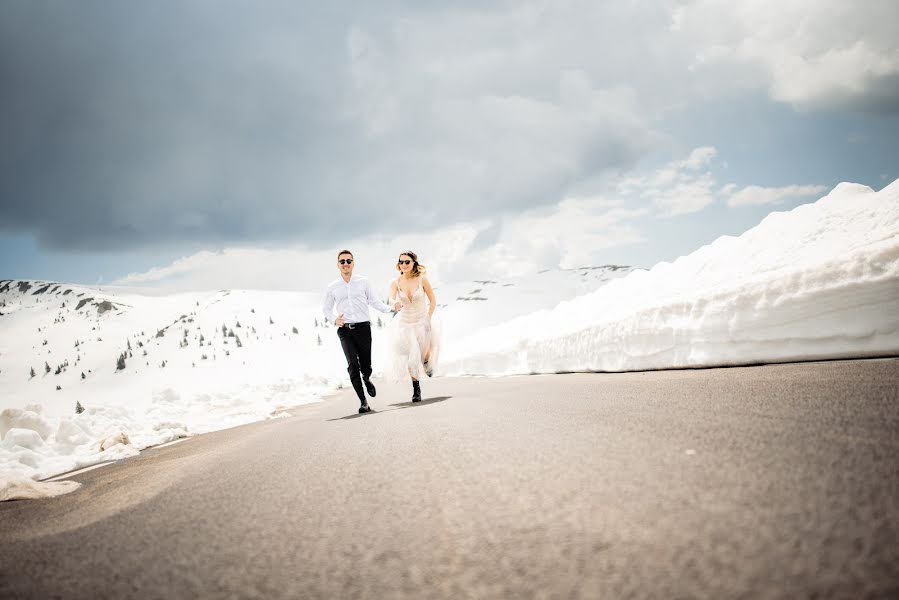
x: 355, y: 325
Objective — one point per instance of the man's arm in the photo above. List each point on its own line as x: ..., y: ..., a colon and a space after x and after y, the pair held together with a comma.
x: 373, y: 300
x: 328, y: 306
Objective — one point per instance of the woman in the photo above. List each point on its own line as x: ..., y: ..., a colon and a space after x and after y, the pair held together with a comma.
x: 414, y: 343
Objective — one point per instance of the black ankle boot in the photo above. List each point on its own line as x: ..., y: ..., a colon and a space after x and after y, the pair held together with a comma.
x: 416, y: 392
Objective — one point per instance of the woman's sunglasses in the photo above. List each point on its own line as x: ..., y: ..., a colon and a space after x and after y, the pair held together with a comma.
x: 345, y: 261
x: 404, y: 262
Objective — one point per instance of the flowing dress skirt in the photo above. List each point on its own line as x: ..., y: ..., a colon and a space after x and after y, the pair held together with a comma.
x: 412, y: 335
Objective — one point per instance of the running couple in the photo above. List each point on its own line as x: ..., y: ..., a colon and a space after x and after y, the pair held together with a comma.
x: 413, y: 346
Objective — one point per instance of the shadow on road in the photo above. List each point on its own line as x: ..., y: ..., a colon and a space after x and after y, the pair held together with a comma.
x: 424, y: 402
x: 398, y: 405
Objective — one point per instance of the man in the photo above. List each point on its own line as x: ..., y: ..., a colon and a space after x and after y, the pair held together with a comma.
x: 352, y: 295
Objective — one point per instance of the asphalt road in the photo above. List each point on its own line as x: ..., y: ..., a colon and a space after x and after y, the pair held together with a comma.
x: 774, y: 481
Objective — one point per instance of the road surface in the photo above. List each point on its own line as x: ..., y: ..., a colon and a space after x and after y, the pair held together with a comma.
x: 777, y: 481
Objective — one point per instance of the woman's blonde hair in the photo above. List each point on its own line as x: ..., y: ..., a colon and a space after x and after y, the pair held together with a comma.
x: 417, y: 269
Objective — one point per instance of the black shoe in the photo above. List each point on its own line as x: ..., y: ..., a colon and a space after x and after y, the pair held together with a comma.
x: 429, y: 370
x: 371, y: 388
x: 365, y: 408
x: 416, y: 392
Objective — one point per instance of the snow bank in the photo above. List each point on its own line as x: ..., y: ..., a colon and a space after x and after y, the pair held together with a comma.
x: 818, y: 282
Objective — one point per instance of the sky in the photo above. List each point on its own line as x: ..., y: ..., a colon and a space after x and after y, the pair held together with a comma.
x: 207, y: 145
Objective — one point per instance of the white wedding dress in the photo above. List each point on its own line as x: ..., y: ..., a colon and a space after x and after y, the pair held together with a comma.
x: 412, y: 333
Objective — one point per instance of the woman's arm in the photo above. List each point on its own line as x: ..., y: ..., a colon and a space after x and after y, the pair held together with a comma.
x: 429, y: 292
x: 393, y: 300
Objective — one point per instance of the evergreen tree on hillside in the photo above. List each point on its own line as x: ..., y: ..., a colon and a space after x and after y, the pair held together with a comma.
x: 120, y: 364
x: 46, y: 367
x: 32, y: 372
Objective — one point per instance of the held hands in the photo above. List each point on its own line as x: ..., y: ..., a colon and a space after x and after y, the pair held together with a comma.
x: 339, y: 321
x: 397, y: 306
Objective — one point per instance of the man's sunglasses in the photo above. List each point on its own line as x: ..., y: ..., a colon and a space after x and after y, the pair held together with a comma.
x: 345, y: 261
x: 404, y: 262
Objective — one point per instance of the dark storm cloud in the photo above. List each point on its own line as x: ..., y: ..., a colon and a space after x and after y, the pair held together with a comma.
x: 133, y: 124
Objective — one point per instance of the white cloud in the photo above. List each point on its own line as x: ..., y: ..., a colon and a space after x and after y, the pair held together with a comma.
x: 807, y: 53
x: 572, y: 233
x: 683, y: 198
x: 677, y: 188
x: 699, y: 157
x: 758, y: 195
x: 576, y: 231
x: 685, y: 186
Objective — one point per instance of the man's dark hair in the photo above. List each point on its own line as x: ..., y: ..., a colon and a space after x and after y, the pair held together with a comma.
x: 342, y: 252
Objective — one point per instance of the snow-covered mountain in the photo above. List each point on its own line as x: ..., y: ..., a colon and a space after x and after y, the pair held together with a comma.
x: 818, y: 282
x: 147, y: 368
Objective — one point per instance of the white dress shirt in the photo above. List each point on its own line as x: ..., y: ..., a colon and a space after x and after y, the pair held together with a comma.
x: 352, y: 300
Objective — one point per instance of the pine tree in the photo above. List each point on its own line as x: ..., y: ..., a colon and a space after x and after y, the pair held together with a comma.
x: 46, y: 367
x: 319, y: 340
x: 78, y: 408
x: 295, y: 330
x: 120, y: 364
x: 32, y: 372
x: 82, y: 376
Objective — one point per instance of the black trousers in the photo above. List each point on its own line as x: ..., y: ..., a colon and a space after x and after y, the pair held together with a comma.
x: 356, y: 344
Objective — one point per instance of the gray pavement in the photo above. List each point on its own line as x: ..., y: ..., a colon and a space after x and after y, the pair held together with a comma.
x: 777, y: 481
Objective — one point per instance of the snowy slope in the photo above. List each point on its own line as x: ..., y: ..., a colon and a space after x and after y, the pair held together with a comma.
x: 818, y: 282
